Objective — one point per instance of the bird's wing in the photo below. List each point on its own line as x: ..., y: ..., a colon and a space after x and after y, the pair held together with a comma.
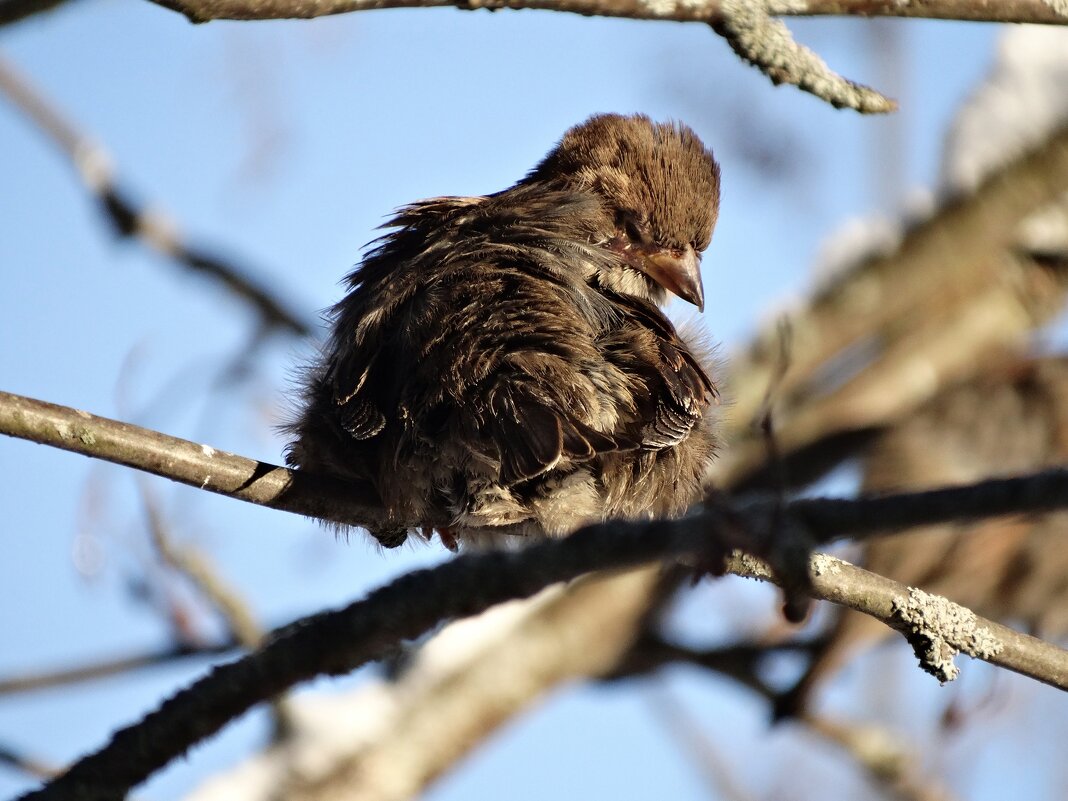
x: 489, y: 359
x: 674, y: 387
x: 505, y: 365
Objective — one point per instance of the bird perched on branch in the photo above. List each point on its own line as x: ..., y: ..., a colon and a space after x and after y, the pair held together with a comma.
x: 500, y: 362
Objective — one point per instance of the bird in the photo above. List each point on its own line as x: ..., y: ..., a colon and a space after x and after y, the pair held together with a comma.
x: 1010, y: 419
x: 501, y: 363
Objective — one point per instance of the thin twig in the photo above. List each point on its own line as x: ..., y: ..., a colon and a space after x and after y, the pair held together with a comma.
x: 34, y: 767
x: 45, y: 680
x: 195, y: 568
x: 739, y: 662
x: 695, y: 744
x: 207, y: 580
x: 769, y: 46
x: 130, y: 219
x: 887, y: 758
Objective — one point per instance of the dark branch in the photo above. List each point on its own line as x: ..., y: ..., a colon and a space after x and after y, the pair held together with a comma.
x: 334, y: 643
x: 1044, y: 491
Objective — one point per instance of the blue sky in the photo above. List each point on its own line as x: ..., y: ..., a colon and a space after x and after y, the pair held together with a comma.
x: 285, y: 144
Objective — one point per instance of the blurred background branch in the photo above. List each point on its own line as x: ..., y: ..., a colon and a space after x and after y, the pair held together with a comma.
x: 130, y: 219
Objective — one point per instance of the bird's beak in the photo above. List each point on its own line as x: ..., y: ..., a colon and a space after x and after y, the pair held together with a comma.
x: 679, y: 272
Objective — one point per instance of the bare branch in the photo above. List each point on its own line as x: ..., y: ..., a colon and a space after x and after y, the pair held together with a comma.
x: 1041, y: 11
x: 768, y: 45
x: 334, y: 643
x: 884, y: 756
x: 917, y: 319
x: 228, y: 603
x: 476, y: 675
x: 130, y: 219
x: 695, y: 744
x: 35, y: 767
x: 201, y: 574
x: 709, y: 11
x: 187, y: 462
x: 331, y: 500
x: 926, y: 620
x: 1043, y: 491
x: 108, y: 667
x: 747, y: 25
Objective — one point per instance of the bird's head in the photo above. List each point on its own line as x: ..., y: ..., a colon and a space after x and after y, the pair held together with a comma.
x: 659, y: 186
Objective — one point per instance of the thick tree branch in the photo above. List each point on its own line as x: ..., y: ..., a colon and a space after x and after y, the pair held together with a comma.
x: 187, y: 462
x: 819, y: 520
x: 337, y: 642
x: 710, y: 11
x: 131, y: 219
x: 475, y: 676
x: 334, y: 643
x: 747, y: 25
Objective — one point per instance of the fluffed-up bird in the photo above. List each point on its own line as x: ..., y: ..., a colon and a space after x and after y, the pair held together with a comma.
x: 500, y: 363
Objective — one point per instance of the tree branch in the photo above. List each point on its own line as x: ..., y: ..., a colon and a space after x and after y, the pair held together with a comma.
x: 334, y: 643
x: 110, y: 667
x: 747, y: 25
x: 189, y: 463
x: 15, y: 10
x: 887, y: 334
x: 819, y: 520
x: 710, y: 11
x: 337, y: 642
x: 769, y: 46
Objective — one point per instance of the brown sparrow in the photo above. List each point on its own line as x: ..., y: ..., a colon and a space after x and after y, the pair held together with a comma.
x: 500, y: 363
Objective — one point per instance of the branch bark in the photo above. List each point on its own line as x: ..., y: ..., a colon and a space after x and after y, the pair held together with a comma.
x: 337, y: 642
x: 189, y: 463
x: 334, y: 643
x: 818, y: 520
x: 748, y: 26
x: 710, y: 11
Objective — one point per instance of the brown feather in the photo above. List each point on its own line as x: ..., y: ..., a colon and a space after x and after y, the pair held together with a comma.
x: 496, y: 363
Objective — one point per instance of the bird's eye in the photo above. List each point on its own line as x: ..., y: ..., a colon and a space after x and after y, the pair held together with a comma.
x: 634, y: 229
